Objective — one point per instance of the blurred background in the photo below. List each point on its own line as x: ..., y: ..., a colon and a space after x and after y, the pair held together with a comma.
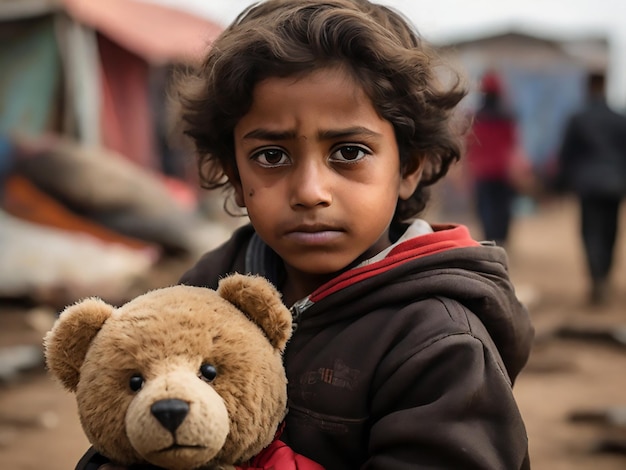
x: 98, y: 194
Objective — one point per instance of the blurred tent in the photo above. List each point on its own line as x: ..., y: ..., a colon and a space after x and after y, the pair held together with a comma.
x: 83, y: 68
x: 544, y: 77
x: 82, y: 104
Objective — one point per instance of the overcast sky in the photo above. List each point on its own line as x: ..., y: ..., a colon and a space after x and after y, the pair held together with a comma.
x: 438, y: 17
x: 438, y: 20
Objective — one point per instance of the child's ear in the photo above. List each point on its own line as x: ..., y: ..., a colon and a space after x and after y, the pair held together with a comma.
x: 410, y: 179
x: 235, y: 181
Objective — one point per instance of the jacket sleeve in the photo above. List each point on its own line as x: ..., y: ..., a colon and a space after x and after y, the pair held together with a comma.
x: 226, y: 259
x: 449, y: 405
x: 91, y: 460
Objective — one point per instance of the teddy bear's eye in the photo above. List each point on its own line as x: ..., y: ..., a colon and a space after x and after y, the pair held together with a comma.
x: 136, y: 382
x: 208, y: 372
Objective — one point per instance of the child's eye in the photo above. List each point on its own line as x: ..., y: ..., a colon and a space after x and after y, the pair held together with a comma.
x: 349, y: 153
x: 271, y: 157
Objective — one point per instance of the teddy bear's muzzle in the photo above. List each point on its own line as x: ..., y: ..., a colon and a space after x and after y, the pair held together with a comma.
x: 177, y: 421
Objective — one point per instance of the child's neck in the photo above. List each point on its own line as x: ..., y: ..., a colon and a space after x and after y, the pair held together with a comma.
x: 298, y: 285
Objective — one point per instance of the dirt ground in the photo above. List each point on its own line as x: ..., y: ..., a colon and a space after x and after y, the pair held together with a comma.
x: 39, y: 427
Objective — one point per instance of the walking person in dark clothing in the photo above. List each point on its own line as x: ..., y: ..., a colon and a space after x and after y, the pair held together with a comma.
x: 328, y: 122
x: 592, y: 165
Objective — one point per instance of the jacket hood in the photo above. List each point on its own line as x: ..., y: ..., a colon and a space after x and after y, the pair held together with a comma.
x: 447, y: 263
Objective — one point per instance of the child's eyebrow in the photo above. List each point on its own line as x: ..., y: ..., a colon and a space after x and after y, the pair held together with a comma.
x: 348, y: 132
x: 266, y: 134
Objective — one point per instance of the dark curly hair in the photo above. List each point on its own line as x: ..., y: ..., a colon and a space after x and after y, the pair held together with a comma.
x: 377, y: 45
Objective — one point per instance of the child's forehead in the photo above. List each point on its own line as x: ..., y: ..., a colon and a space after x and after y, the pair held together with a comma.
x: 331, y: 77
x: 336, y: 72
x: 326, y: 90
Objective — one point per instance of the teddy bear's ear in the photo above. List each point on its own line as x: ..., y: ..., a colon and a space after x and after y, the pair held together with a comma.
x: 66, y: 344
x: 261, y: 302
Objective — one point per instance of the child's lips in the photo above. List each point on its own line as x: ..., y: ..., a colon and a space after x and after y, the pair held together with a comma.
x: 314, y: 234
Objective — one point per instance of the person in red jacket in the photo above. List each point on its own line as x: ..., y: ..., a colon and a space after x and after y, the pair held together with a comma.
x: 328, y: 122
x: 492, y: 150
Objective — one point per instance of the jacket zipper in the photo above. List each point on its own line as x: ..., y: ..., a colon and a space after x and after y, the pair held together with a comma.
x: 297, y: 309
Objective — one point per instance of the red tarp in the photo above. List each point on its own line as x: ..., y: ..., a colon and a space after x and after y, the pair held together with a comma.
x: 157, y: 33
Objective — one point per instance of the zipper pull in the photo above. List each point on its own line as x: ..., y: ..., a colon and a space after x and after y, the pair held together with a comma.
x: 297, y: 309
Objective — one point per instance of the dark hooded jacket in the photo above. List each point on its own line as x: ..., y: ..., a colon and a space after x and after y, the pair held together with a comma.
x: 406, y: 362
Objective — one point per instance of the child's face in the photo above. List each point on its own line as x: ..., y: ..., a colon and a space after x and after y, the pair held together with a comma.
x: 319, y: 171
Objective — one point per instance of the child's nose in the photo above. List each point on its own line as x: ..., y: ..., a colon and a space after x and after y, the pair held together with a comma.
x: 310, y: 185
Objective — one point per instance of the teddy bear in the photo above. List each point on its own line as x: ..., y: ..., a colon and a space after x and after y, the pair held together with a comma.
x: 180, y: 377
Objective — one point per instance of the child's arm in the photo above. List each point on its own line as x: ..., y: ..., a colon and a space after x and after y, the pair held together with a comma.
x: 92, y: 460
x: 448, y: 405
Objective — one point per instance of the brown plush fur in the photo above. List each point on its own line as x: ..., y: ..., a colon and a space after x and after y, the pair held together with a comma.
x: 165, y: 336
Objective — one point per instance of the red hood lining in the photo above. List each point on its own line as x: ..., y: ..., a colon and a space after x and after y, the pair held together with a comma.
x: 444, y: 238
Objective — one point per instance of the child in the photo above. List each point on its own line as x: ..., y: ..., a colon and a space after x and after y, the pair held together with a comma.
x: 326, y: 120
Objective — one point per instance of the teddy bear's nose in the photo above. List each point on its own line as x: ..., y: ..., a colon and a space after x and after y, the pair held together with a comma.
x: 170, y: 413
